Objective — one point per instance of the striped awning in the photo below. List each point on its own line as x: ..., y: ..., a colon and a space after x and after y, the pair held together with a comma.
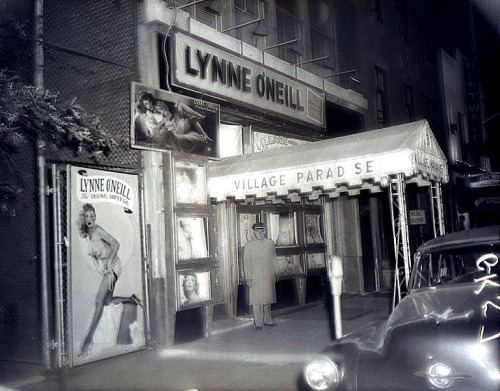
x: 366, y: 160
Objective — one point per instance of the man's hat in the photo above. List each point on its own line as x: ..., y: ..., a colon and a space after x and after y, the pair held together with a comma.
x: 258, y: 226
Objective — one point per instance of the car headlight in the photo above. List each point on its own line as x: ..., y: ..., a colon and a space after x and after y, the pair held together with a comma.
x: 441, y: 375
x: 322, y: 375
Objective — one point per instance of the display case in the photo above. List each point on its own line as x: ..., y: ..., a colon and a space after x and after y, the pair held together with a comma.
x: 245, y: 222
x: 297, y: 232
x: 197, y: 266
x: 313, y: 229
x: 282, y: 228
x: 191, y: 237
x: 289, y: 266
x: 193, y: 287
x: 315, y: 261
x: 190, y: 183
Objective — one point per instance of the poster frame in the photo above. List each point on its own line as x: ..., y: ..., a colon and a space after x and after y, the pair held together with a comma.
x: 316, y: 236
x: 294, y: 266
x: 194, y: 182
x: 274, y: 234
x: 71, y: 208
x: 197, y: 272
x: 202, y: 229
x: 183, y: 132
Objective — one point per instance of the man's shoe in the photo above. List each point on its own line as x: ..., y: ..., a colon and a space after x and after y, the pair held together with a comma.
x: 271, y: 325
x: 258, y: 327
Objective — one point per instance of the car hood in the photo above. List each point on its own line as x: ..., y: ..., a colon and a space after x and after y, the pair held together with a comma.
x: 441, y: 304
x: 461, y: 302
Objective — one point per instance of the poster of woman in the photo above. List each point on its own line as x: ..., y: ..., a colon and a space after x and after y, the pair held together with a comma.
x: 105, y: 272
x: 194, y: 287
x: 162, y: 120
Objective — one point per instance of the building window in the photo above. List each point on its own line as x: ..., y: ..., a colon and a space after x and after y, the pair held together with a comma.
x: 321, y: 26
x: 381, y: 97
x: 376, y: 10
x: 205, y: 15
x: 289, y: 26
x: 409, y: 103
x: 402, y: 21
x: 246, y: 11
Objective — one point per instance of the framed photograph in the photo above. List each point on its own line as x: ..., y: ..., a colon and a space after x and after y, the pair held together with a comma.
x: 193, y: 287
x: 245, y: 222
x: 192, y: 239
x: 283, y: 229
x: 165, y: 121
x: 190, y: 183
x: 316, y: 260
x: 289, y: 265
x: 313, y: 229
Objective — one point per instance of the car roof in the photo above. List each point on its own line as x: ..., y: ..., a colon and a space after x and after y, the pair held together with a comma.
x: 484, y: 235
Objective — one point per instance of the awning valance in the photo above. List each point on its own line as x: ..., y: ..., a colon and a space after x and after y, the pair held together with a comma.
x: 365, y: 160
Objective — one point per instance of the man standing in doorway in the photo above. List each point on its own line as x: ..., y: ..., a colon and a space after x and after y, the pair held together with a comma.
x: 259, y: 258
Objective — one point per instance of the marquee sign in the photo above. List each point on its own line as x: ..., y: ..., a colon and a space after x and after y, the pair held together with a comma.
x: 487, y: 179
x: 367, y: 160
x: 204, y: 67
x: 327, y: 175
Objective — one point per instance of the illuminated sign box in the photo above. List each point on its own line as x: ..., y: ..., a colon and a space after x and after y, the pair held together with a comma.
x: 202, y: 67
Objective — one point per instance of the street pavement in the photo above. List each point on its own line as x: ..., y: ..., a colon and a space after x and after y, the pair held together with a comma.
x: 234, y: 357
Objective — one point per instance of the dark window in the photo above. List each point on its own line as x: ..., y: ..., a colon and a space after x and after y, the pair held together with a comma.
x: 288, y: 26
x: 402, y: 20
x: 381, y: 97
x: 320, y: 19
x: 246, y: 11
x: 205, y: 15
x: 409, y: 103
x: 288, y: 5
x: 376, y: 10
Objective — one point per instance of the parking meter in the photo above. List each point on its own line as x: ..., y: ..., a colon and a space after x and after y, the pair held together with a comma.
x: 336, y: 276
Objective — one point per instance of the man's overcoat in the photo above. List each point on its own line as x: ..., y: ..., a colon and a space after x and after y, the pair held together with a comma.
x: 259, y: 258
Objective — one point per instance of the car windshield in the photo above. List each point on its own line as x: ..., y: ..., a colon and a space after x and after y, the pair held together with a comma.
x: 458, y: 265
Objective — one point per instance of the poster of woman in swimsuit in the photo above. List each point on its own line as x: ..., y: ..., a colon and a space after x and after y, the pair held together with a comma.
x: 106, y: 295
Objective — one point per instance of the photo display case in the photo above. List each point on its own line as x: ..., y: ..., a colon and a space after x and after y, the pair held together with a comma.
x: 289, y: 265
x: 245, y: 222
x: 282, y: 228
x: 315, y: 261
x: 297, y: 232
x: 190, y: 183
x: 193, y: 287
x: 313, y: 228
x: 192, y: 238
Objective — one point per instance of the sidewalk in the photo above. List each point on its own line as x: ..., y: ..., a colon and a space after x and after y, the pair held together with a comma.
x: 235, y: 350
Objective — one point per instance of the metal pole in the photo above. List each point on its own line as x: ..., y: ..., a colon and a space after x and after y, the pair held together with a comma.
x: 39, y: 63
x: 146, y: 251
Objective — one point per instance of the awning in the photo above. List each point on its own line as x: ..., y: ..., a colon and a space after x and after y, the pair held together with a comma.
x: 365, y: 160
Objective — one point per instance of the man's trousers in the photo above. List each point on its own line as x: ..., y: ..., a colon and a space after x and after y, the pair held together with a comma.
x: 262, y: 315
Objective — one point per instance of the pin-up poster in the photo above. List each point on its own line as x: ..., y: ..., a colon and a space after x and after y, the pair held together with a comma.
x: 105, y: 273
x: 165, y: 121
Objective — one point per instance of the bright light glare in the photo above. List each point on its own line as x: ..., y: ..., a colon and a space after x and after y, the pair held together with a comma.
x: 322, y: 375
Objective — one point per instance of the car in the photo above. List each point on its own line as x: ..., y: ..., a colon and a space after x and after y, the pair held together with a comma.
x: 443, y: 334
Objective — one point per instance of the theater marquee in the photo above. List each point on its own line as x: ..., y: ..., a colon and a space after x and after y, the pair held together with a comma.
x: 203, y: 67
